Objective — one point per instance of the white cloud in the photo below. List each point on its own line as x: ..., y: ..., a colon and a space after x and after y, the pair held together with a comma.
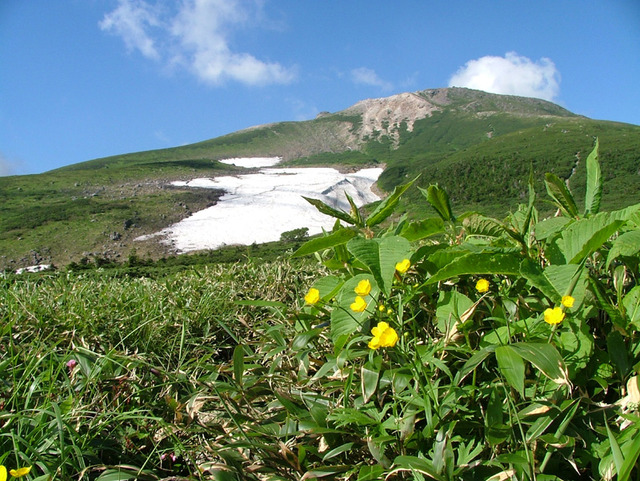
x: 131, y: 21
x: 367, y: 76
x: 511, y: 75
x: 197, y: 37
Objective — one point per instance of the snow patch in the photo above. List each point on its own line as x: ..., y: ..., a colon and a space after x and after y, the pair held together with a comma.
x: 252, y: 162
x: 260, y: 207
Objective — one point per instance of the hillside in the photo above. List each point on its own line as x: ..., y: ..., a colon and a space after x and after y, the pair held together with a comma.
x: 479, y: 146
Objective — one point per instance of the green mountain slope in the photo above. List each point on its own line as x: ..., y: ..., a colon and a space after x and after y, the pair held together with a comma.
x: 479, y: 146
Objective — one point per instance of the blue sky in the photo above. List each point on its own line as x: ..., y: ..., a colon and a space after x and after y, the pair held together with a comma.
x: 83, y: 79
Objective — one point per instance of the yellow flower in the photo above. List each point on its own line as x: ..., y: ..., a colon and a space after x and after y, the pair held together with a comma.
x: 383, y: 336
x: 3, y: 473
x: 482, y: 285
x: 381, y: 308
x: 567, y: 301
x: 18, y: 473
x: 312, y: 296
x: 553, y: 316
x: 403, y: 266
x: 359, y: 304
x: 363, y: 288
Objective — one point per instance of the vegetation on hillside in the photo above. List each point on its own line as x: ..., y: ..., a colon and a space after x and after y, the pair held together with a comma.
x: 478, y: 146
x: 450, y: 347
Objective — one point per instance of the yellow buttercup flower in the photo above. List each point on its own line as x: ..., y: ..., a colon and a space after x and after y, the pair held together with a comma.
x: 553, y: 316
x: 363, y: 288
x: 312, y: 296
x: 383, y: 336
x: 482, y: 285
x: 403, y: 266
x: 18, y: 473
x: 3, y: 473
x: 567, y: 301
x: 381, y: 308
x: 359, y: 304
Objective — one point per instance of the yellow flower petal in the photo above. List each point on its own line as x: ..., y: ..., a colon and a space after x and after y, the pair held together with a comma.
x: 18, y: 473
x: 403, y: 266
x: 389, y: 337
x: 374, y: 343
x: 359, y: 304
x: 363, y: 288
x: 482, y: 285
x: 3, y: 473
x: 312, y: 296
x: 379, y: 329
x: 553, y: 316
x: 567, y: 301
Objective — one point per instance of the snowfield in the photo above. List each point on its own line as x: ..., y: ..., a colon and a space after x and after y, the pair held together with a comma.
x: 259, y: 207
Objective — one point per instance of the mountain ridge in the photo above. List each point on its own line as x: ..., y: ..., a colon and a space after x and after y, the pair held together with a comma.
x: 478, y: 145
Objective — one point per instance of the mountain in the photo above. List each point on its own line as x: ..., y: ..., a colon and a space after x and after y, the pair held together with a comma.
x: 481, y: 147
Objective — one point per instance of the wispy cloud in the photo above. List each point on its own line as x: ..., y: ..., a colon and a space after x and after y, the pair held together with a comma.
x: 196, y: 37
x: 511, y: 75
x: 132, y: 20
x: 367, y: 76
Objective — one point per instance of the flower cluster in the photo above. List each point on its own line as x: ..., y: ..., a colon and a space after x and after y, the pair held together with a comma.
x: 556, y: 314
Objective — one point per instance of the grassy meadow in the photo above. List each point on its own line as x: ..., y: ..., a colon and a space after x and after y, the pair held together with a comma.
x: 454, y: 346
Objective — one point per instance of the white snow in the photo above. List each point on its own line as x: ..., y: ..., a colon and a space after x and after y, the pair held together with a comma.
x: 250, y: 162
x: 37, y: 268
x: 260, y: 207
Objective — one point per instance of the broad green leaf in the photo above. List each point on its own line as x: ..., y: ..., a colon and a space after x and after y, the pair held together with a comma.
x: 417, y: 230
x: 345, y: 321
x: 549, y: 227
x: 439, y: 200
x: 386, y: 207
x: 546, y: 358
x: 451, y: 305
x: 479, y: 263
x: 583, y: 237
x: 328, y: 286
x: 511, y: 366
x: 593, y: 194
x: 576, y: 345
x: 627, y: 244
x: 339, y: 237
x: 558, y: 191
x: 474, y: 361
x: 631, y: 303
x: 555, y: 281
x: 330, y: 211
x: 380, y: 256
x: 479, y: 225
x: 370, y: 473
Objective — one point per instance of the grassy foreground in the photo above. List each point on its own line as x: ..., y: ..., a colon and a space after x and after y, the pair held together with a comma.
x: 450, y: 347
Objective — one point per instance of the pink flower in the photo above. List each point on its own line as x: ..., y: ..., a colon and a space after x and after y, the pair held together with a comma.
x: 72, y: 363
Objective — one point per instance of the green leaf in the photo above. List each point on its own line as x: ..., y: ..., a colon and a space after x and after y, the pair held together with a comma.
x: 302, y: 340
x: 380, y: 256
x: 451, y: 305
x: 618, y: 458
x: 627, y: 244
x: 546, y: 358
x: 330, y: 211
x: 370, y: 375
x: 344, y: 321
x: 417, y: 230
x: 439, y: 200
x: 631, y: 303
x: 413, y: 463
x: 479, y: 263
x: 370, y: 473
x: 630, y: 456
x: 593, y: 194
x: 558, y: 191
x: 618, y: 352
x: 555, y: 281
x: 339, y: 237
x: 238, y: 363
x: 387, y: 206
x: 511, y: 366
x: 583, y: 237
